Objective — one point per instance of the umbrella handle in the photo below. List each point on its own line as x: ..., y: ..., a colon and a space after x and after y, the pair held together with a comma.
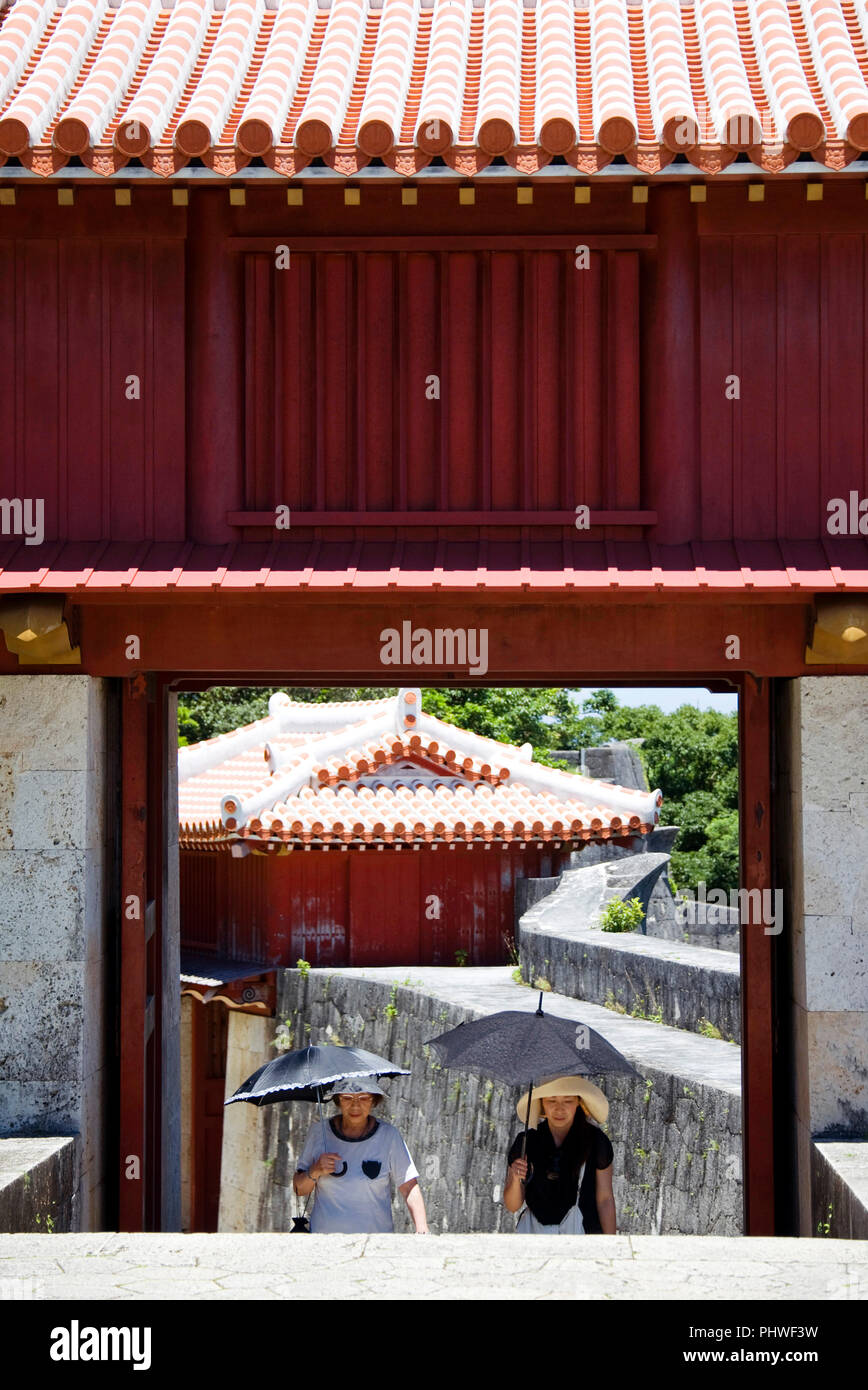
x: 339, y: 1172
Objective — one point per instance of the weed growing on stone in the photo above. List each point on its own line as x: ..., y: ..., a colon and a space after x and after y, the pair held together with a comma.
x: 542, y: 983
x: 708, y: 1030
x: 610, y: 1002
x: 649, y: 1086
x: 622, y: 916
x: 518, y: 978
x: 303, y: 968
x: 461, y: 957
x: 391, y: 1009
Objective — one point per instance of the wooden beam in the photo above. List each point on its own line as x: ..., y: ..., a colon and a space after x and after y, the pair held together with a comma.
x: 756, y: 959
x: 133, y: 1004
x: 445, y: 518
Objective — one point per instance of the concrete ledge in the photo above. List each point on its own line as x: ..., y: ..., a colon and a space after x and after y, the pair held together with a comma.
x: 839, y: 1188
x: 434, y: 1268
x: 560, y: 941
x: 37, y: 1185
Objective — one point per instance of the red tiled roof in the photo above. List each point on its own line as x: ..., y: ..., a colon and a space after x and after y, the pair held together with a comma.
x: 382, y: 772
x: 407, y: 80
x: 95, y: 568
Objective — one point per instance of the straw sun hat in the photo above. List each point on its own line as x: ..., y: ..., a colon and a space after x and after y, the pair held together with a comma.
x: 592, y: 1097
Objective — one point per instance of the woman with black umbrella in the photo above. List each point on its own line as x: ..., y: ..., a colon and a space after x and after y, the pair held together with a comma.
x: 564, y: 1177
x: 352, y: 1179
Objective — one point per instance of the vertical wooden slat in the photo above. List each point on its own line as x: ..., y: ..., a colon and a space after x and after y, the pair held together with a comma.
x: 800, y: 368
x: 419, y: 346
x: 299, y: 396
x: 364, y: 485
x: 507, y: 453
x: 842, y: 452
x: 125, y: 290
x: 719, y: 360
x: 83, y: 388
x: 754, y: 422
x: 134, y: 840
x: 464, y: 399
x: 756, y: 958
x: 487, y: 387
x: 622, y: 297
x: 446, y: 375
x: 549, y: 369
x: 40, y: 383
x: 527, y: 375
x: 259, y: 381
x: 402, y: 389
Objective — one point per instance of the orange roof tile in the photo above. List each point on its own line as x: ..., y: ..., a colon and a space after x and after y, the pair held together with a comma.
x: 362, y: 772
x: 408, y: 80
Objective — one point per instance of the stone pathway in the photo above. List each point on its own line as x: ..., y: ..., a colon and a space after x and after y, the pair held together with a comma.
x: 491, y: 988
x: 208, y: 1267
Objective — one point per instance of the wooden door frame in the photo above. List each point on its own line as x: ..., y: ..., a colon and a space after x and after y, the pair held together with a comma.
x: 757, y: 996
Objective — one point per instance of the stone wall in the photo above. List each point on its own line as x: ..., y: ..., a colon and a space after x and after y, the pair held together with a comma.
x: 686, y: 986
x: 38, y: 1182
x: 56, y: 832
x: 823, y: 866
x: 677, y: 1143
x: 839, y: 1188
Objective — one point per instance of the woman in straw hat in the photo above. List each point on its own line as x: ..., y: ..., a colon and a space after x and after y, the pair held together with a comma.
x: 565, y: 1177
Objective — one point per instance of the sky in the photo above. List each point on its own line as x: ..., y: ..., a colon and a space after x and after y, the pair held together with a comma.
x: 669, y: 698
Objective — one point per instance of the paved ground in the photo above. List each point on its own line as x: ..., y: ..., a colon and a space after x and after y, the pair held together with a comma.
x: 405, y: 1267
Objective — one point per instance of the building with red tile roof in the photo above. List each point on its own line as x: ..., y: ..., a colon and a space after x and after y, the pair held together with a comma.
x: 382, y: 772
x: 407, y: 82
x: 375, y: 775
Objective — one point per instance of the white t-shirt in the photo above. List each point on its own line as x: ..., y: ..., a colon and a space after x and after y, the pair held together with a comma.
x: 360, y: 1200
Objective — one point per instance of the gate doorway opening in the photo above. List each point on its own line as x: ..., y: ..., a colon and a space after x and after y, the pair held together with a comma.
x: 375, y: 933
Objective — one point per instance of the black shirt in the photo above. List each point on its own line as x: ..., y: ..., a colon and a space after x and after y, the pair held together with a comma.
x: 550, y: 1197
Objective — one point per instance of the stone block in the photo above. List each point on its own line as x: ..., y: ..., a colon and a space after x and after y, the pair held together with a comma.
x: 39, y: 1108
x: 832, y: 736
x: 41, y: 1025
x: 839, y: 1189
x: 49, y: 811
x: 838, y: 1068
x: 37, y: 1180
x: 50, y: 720
x: 835, y: 863
x: 43, y: 899
x: 836, y: 964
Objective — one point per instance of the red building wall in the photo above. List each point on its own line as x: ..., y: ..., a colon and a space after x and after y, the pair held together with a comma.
x: 306, y: 386
x: 358, y: 908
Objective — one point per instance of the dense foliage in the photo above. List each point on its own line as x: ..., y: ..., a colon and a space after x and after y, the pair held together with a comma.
x: 690, y: 754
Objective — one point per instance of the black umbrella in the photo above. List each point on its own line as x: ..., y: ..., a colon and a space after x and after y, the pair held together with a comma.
x: 309, y: 1073
x: 519, y: 1048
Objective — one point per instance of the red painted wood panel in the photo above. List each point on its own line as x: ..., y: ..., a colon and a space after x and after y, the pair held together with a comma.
x: 358, y: 907
x: 421, y: 359
x: 106, y: 453
x: 719, y: 360
x: 384, y: 907
x: 799, y: 374
x: 754, y: 417
x: 536, y: 362
x: 842, y: 405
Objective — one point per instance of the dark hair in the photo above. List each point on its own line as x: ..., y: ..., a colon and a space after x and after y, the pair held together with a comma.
x: 376, y: 1099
